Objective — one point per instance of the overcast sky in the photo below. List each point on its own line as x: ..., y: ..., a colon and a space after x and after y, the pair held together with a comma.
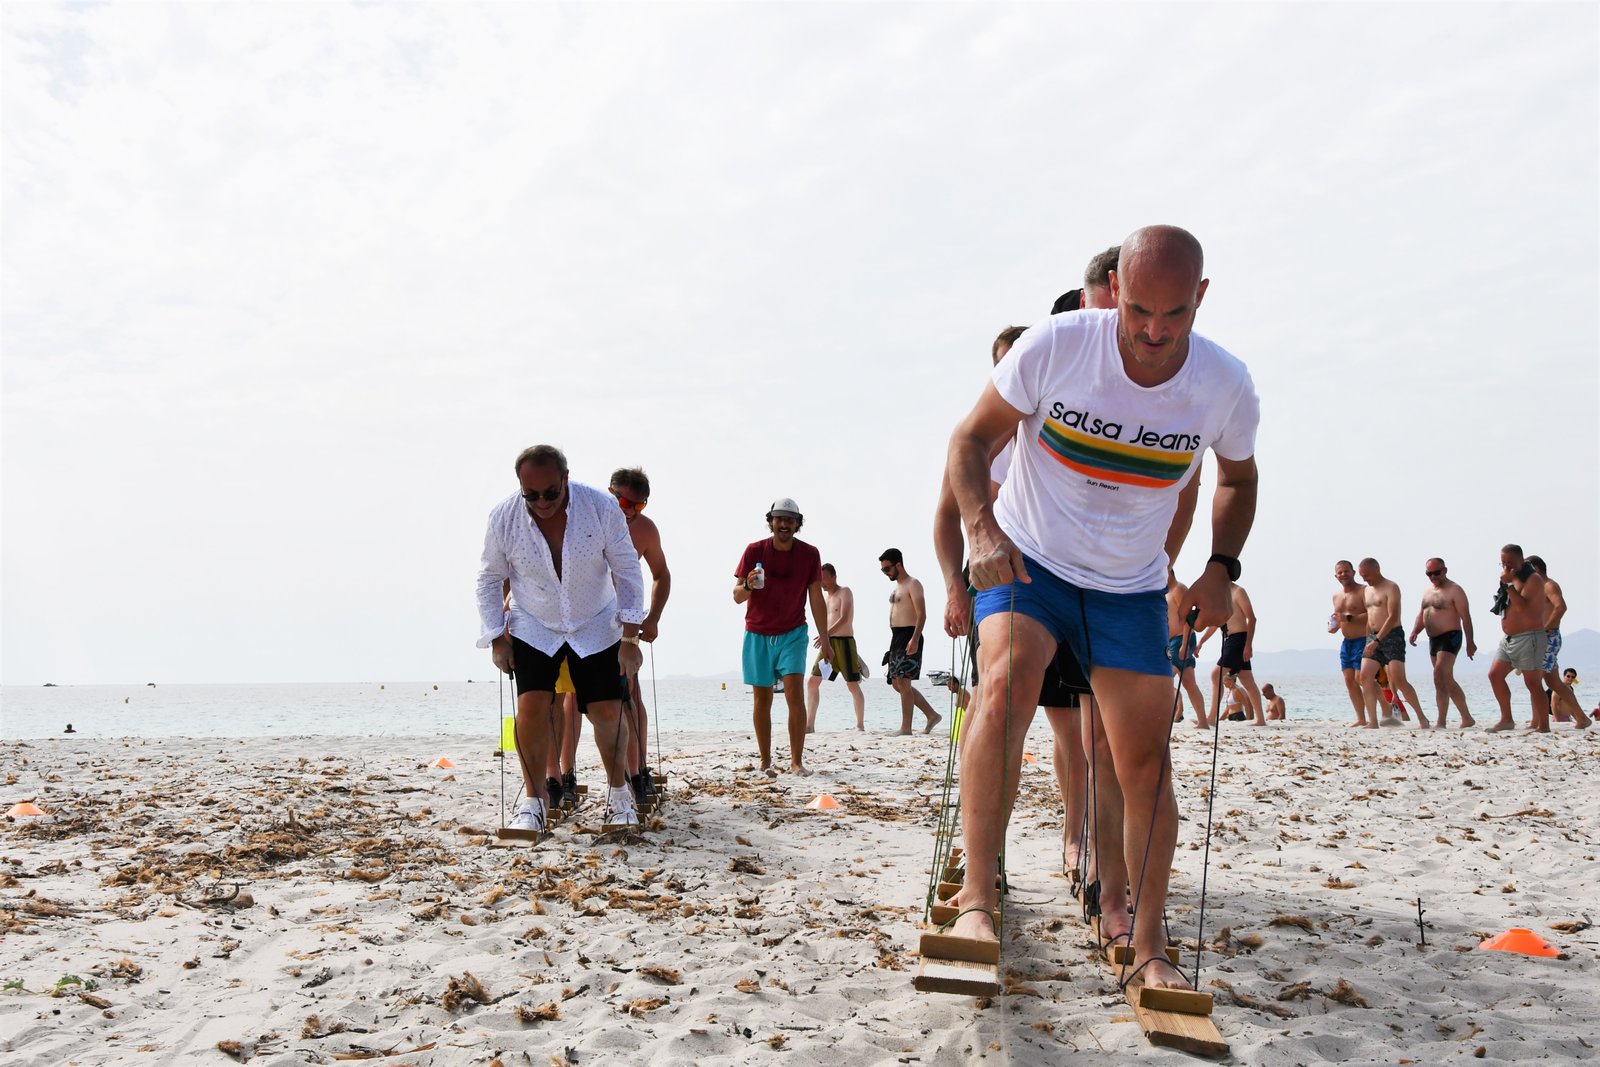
x: 287, y: 287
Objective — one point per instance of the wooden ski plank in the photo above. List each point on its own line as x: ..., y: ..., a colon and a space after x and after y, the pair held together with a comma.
x: 960, y: 977
x: 1179, y: 1030
x: 934, y: 945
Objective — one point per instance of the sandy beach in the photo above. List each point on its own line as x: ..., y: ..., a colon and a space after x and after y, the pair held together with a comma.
x: 320, y: 900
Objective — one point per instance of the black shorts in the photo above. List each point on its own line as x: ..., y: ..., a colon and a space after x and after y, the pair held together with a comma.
x: 1064, y: 680
x: 1232, y: 658
x: 1391, y: 647
x: 902, y: 664
x: 1449, y: 641
x: 595, y: 678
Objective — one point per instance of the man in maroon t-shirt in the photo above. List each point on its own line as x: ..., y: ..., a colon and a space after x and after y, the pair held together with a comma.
x: 776, y: 577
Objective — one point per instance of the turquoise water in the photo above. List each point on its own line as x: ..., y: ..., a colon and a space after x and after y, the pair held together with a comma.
x: 429, y: 708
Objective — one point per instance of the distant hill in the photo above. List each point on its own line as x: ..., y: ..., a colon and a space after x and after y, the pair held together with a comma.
x: 1579, y: 649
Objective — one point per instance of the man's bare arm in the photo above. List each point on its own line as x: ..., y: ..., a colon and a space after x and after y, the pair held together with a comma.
x: 994, y: 560
x: 819, y: 610
x: 1556, y: 605
x: 919, y: 604
x: 847, y: 609
x: 949, y: 548
x: 1459, y: 595
x: 1182, y: 518
x: 1416, y: 627
x: 1249, y: 612
x: 1233, y: 512
x: 660, y: 588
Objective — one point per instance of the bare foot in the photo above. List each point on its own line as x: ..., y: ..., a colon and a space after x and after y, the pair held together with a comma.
x: 769, y: 770
x: 976, y: 924
x: 1499, y: 726
x: 1422, y: 724
x: 1468, y: 720
x: 800, y: 769
x: 1583, y: 723
x: 1159, y: 973
x: 902, y: 733
x: 934, y: 720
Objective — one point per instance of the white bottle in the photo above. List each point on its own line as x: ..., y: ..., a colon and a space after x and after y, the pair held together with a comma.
x: 758, y: 577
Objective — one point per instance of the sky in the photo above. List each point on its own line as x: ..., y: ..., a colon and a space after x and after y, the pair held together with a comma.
x: 284, y: 289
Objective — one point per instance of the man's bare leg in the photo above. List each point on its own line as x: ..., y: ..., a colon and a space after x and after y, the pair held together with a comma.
x: 1014, y: 651
x: 1370, y: 690
x: 611, y: 738
x: 1499, y: 671
x: 813, y: 698
x: 1071, y: 768
x: 1108, y: 864
x: 1358, y: 699
x: 533, y: 742
x: 638, y: 727
x: 859, y: 699
x: 763, y: 723
x: 571, y: 731
x: 1446, y: 689
x: 1253, y: 693
x: 1198, y: 702
x: 1216, y: 689
x: 794, y: 697
x: 1399, y: 684
x: 911, y: 697
x: 1534, y: 680
x: 1138, y: 710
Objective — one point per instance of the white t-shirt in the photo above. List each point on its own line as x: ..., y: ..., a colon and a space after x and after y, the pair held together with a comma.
x: 1002, y: 463
x: 1100, y: 461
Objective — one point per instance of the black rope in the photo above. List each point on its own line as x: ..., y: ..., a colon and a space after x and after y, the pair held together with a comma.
x: 1211, y: 800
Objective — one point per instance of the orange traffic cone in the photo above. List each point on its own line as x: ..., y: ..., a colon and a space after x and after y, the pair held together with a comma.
x: 824, y: 803
x: 1029, y: 757
x: 1517, y: 939
x: 442, y: 761
x: 25, y: 810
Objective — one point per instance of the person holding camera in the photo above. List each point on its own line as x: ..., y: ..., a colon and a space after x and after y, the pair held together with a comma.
x: 1520, y: 604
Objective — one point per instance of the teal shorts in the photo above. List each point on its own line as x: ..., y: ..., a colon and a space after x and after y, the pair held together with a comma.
x: 766, y: 659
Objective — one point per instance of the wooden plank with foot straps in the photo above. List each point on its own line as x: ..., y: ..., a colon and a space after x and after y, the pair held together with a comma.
x: 1171, y: 1018
x: 961, y: 965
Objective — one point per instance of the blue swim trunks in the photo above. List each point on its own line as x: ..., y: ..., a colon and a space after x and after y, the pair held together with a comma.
x: 1350, y: 653
x: 769, y: 658
x: 1179, y: 656
x: 1125, y: 631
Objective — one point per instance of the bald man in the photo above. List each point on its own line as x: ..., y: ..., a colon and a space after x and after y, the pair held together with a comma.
x: 1118, y: 409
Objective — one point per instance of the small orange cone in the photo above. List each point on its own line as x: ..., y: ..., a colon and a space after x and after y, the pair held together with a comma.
x: 442, y: 761
x: 1029, y: 757
x: 824, y: 803
x: 25, y: 810
x: 1517, y: 939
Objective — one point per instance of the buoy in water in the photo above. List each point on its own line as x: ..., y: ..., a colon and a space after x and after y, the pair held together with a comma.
x: 724, y: 687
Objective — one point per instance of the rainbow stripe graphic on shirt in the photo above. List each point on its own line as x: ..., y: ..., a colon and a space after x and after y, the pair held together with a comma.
x: 1112, y: 461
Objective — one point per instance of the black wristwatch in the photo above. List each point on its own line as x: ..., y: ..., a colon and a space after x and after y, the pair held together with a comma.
x: 1230, y: 562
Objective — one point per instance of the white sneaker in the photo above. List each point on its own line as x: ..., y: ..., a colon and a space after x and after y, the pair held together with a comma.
x: 528, y: 816
x: 620, y: 808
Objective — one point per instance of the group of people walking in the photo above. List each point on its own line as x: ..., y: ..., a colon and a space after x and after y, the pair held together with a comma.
x: 1367, y: 615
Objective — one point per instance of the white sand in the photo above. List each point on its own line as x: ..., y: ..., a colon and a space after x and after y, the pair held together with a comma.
x: 379, y: 891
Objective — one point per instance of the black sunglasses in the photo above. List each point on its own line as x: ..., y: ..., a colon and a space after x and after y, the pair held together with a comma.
x: 1433, y: 574
x: 549, y: 496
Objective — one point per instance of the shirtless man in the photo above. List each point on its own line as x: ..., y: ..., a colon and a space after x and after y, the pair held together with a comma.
x: 908, y: 611
x: 631, y: 487
x: 1386, y: 644
x: 1561, y: 694
x: 1276, y: 709
x: 1181, y: 658
x: 1446, y: 617
x: 1349, y: 621
x: 1522, y: 606
x: 1237, y: 646
x: 840, y: 657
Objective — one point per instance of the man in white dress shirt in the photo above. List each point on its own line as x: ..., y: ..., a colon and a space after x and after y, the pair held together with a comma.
x: 577, y: 597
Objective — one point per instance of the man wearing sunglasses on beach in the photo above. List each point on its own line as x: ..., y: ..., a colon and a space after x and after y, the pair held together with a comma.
x: 577, y: 597
x: 631, y: 487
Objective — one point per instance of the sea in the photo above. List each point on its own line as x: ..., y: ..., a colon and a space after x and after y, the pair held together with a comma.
x: 455, y: 707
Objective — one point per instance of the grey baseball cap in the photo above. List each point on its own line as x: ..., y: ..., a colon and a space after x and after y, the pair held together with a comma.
x: 784, y: 506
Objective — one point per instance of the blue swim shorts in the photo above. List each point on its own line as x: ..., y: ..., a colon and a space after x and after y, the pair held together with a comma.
x: 769, y: 658
x: 1121, y: 631
x: 1350, y: 653
x: 1175, y: 649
